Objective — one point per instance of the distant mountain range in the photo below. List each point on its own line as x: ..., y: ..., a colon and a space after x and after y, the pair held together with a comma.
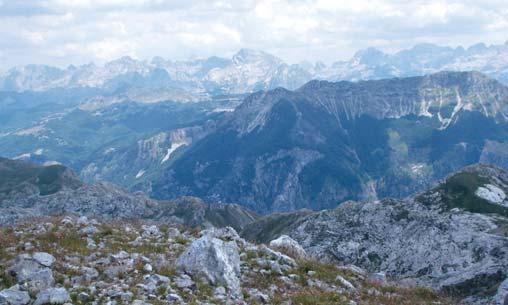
x: 251, y: 70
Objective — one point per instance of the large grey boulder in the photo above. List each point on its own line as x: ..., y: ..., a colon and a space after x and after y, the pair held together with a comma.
x: 14, y: 296
x: 288, y: 246
x: 33, y: 271
x: 52, y: 296
x: 214, y: 260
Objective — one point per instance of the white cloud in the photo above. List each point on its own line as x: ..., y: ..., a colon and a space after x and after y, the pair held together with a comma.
x: 79, y: 31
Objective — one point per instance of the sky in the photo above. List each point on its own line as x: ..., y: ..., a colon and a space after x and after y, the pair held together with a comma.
x: 63, y: 32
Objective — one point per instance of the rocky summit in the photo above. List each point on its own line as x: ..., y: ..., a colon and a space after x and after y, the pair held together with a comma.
x: 69, y: 260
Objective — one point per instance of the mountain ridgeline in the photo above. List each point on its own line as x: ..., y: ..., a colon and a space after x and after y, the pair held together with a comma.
x: 326, y: 143
x: 29, y: 190
x: 251, y: 70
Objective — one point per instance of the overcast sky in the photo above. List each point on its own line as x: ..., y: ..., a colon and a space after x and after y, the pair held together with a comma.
x: 61, y: 32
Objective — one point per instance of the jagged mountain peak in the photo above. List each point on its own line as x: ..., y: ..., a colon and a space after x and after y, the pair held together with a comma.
x: 369, y: 56
x: 251, y: 56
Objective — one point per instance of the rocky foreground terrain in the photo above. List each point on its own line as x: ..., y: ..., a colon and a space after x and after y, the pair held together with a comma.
x: 70, y: 260
x: 453, y: 237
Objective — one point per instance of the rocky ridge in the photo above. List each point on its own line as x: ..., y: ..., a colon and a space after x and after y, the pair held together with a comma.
x: 29, y: 190
x: 453, y: 237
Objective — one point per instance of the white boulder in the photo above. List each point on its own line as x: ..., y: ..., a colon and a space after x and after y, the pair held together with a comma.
x: 289, y: 246
x: 214, y: 260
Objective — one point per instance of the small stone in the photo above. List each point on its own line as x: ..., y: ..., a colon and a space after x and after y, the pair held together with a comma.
x: 14, y: 296
x: 44, y: 259
x: 126, y: 296
x: 173, y: 297
x: 288, y: 246
x: 28, y: 246
x: 219, y: 291
x: 52, y: 296
x: 377, y: 278
x: 148, y: 268
x: 184, y: 281
x: 151, y: 231
x: 173, y: 233
x: 157, y: 279
x: 89, y: 230
x: 345, y: 283
x: 82, y: 221
x: 120, y: 256
x: 258, y: 297
x: 90, y: 244
x: 83, y: 297
x: 28, y: 271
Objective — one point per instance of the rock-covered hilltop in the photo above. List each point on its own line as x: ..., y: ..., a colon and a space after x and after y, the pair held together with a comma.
x: 326, y: 143
x: 85, y: 261
x: 30, y: 190
x: 453, y: 237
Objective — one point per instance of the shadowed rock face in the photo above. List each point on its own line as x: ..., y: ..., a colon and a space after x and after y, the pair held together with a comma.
x: 451, y: 237
x: 326, y: 143
x: 24, y: 193
x: 19, y: 176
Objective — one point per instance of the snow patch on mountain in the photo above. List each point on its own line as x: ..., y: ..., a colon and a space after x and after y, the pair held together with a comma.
x: 491, y: 193
x: 171, y: 150
x: 140, y: 174
x: 38, y: 151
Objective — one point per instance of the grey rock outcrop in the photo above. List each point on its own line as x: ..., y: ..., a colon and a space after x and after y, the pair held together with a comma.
x: 288, y: 246
x: 214, y: 260
x: 450, y: 238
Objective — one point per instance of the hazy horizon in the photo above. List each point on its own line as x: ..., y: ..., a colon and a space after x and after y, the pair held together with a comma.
x: 228, y: 55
